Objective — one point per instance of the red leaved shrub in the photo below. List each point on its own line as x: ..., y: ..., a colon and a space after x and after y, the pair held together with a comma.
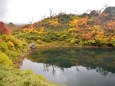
x: 4, y: 29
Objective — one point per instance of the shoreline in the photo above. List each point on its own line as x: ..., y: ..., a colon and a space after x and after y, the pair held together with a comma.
x: 19, y: 60
x: 47, y: 47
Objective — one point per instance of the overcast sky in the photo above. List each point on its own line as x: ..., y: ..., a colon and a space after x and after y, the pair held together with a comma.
x: 25, y: 11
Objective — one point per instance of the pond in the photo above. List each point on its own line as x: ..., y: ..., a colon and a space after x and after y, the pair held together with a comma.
x: 74, y: 66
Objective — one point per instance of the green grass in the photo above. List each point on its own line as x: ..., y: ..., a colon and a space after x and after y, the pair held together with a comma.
x: 13, y: 77
x: 10, y: 49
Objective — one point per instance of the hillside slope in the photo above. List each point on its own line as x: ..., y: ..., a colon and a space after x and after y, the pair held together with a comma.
x: 93, y: 29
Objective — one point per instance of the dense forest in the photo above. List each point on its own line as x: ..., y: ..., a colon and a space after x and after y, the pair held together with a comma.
x: 94, y: 29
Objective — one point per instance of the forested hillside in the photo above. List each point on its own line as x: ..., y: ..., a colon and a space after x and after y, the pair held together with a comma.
x: 88, y: 29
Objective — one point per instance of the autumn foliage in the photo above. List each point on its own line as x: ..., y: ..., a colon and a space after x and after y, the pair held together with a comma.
x: 92, y: 29
x: 4, y: 29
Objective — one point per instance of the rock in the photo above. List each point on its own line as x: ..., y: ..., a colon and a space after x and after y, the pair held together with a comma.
x: 32, y: 45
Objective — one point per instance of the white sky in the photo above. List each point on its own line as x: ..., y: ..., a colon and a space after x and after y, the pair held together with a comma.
x: 24, y: 11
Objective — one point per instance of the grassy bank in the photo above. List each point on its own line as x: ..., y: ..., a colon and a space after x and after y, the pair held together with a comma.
x: 11, y: 48
x: 12, y: 51
x: 14, y: 77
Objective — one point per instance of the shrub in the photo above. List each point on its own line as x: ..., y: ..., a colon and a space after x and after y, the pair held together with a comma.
x: 12, y: 47
x: 3, y: 46
x: 4, y: 59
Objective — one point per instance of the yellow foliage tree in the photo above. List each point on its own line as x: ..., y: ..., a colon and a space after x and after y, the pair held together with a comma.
x: 54, y: 22
x: 10, y: 43
x: 4, y: 59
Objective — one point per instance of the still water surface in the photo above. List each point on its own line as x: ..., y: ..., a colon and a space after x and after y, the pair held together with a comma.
x: 74, y: 66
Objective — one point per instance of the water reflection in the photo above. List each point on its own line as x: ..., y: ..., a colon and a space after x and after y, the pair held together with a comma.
x: 74, y: 67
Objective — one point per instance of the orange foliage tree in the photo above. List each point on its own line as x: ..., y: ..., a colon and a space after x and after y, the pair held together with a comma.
x: 4, y: 29
x: 111, y: 25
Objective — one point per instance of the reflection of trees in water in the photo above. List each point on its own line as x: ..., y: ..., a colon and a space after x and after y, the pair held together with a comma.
x: 102, y: 71
x: 52, y: 68
x: 77, y: 68
x: 48, y: 68
x: 103, y: 60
